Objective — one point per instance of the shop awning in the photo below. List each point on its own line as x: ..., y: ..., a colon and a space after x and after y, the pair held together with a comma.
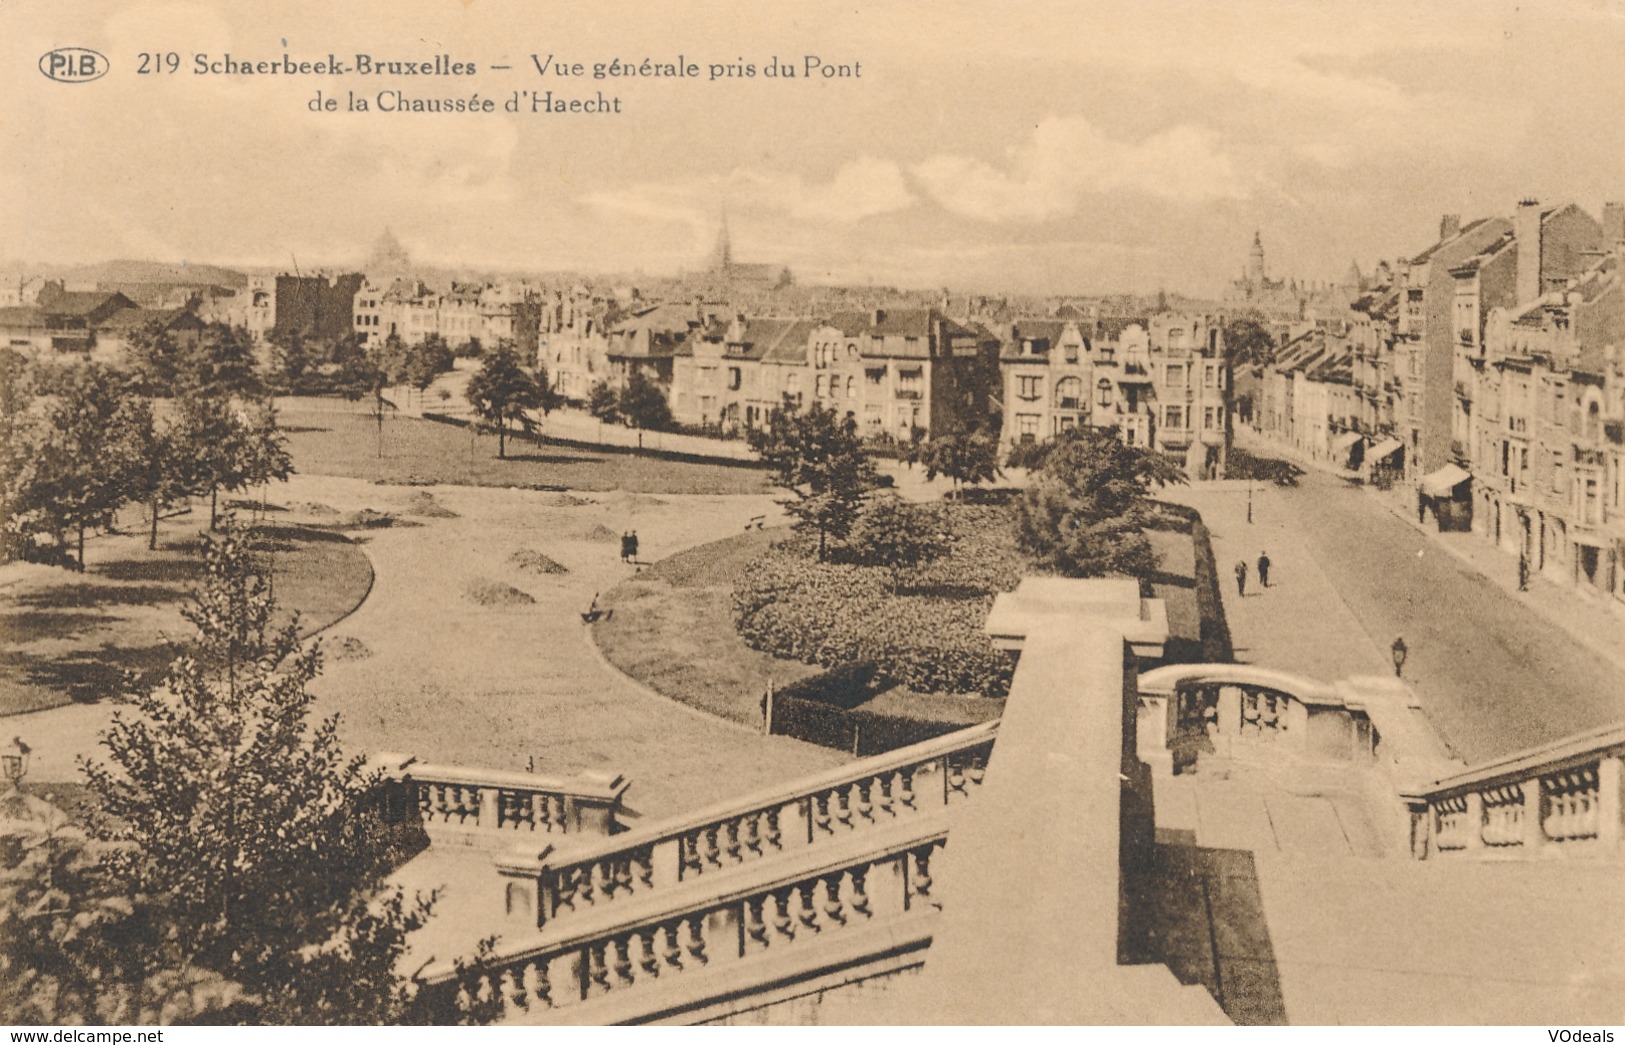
x: 1341, y: 444
x: 1386, y: 448
x: 1446, y: 479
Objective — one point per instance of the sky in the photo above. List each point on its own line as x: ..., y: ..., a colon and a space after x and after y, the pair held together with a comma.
x: 1039, y: 147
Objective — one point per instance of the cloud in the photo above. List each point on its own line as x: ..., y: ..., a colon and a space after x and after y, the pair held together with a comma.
x: 1067, y: 159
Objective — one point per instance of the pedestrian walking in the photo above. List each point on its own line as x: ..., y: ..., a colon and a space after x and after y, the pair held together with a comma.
x: 1241, y: 577
x: 1264, y: 568
x: 632, y: 545
x: 626, y: 546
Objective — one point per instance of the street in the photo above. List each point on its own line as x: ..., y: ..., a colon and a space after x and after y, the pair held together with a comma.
x: 1350, y: 577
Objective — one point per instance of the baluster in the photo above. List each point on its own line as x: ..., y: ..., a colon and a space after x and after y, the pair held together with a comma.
x: 843, y: 806
x: 432, y: 797
x: 978, y: 768
x: 598, y: 966
x: 731, y: 834
x: 646, y: 866
x: 696, y: 938
x: 859, y: 895
x: 604, y: 872
x: 866, y: 808
x: 623, y: 959
x: 782, y: 920
x: 649, y: 955
x: 808, y: 912
x: 922, y: 872
x: 775, y: 837
x: 907, y: 796
x: 540, y: 822
x: 673, y: 953
x: 543, y: 989
x: 956, y: 777
x: 690, y: 855
x: 755, y: 925
x: 517, y: 995
x: 886, y: 800
x: 832, y: 902
x: 753, y: 833
x: 624, y: 869
x: 821, y: 814
x: 713, y: 852
x: 561, y: 823
x: 584, y: 884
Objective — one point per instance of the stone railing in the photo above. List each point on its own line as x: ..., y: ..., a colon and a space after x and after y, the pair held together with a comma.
x: 548, y: 884
x: 1233, y: 710
x: 1558, y: 798
x: 864, y: 899
x: 495, y: 808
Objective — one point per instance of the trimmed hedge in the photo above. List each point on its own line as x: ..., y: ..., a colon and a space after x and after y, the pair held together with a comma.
x: 790, y: 605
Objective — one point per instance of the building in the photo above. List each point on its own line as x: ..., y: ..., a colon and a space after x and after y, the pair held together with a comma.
x: 733, y: 375
x: 573, y: 340
x: 317, y: 306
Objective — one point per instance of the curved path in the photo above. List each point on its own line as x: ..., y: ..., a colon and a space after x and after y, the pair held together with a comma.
x: 449, y: 680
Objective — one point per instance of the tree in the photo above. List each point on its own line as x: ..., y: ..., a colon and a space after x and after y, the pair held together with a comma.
x: 264, y: 449
x: 643, y: 405
x: 220, y: 795
x: 1084, y: 510
x: 148, y: 457
x: 210, y: 449
x: 79, y: 483
x: 21, y: 443
x: 603, y: 403
x: 1248, y: 342
x: 818, y: 458
x: 898, y: 536
x: 965, y: 457
x: 426, y: 360
x: 502, y: 391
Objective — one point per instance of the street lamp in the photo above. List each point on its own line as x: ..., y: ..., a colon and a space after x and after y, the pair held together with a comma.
x: 1400, y: 651
x: 14, y: 761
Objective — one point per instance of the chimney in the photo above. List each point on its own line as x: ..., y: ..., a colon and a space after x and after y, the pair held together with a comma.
x: 1449, y: 227
x: 1526, y: 228
x: 1613, y: 224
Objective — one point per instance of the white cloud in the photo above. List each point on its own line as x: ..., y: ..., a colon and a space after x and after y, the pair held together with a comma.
x: 1068, y: 159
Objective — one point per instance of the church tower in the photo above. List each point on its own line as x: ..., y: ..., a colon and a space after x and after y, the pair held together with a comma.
x: 722, y: 256
x: 1255, y: 261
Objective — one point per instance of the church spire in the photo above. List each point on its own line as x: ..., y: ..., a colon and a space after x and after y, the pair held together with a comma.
x: 722, y: 256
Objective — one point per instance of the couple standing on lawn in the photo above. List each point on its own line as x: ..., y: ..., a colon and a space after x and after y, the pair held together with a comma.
x: 1263, y: 572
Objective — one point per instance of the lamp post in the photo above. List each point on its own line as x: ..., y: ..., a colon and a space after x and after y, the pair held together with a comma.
x: 14, y: 761
x: 1400, y: 651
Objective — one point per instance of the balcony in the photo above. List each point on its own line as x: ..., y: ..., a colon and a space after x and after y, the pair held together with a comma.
x: 910, y: 393
x: 1615, y: 430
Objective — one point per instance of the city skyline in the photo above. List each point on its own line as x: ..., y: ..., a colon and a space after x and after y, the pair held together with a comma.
x: 1044, y: 148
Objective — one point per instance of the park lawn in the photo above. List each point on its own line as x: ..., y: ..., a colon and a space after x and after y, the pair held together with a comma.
x: 419, y: 452
x: 672, y: 629
x: 70, y: 637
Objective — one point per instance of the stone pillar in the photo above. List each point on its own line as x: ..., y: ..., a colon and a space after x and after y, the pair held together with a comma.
x: 1474, y: 837
x: 1295, y: 721
x: 488, y: 817
x: 1534, y: 832
x: 1229, y: 719
x: 1610, y: 801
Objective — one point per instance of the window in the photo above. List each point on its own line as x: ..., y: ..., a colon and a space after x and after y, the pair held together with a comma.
x: 1173, y: 416
x: 1210, y: 376
x: 1557, y: 471
x: 851, y: 386
x: 1029, y: 386
x: 876, y: 375
x: 734, y: 377
x: 818, y: 388
x: 1027, y: 427
x: 792, y: 381
x: 1068, y: 393
x: 1104, y: 388
x: 1071, y: 351
x: 1209, y: 418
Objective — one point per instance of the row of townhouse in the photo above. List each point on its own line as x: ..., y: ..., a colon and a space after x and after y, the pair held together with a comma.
x: 487, y: 313
x: 897, y: 373
x: 1166, y: 384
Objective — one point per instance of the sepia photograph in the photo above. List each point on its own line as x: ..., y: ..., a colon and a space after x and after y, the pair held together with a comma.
x: 896, y: 513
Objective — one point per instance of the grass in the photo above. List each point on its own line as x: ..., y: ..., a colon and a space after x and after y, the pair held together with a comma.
x: 419, y: 452
x: 70, y: 637
x: 672, y: 629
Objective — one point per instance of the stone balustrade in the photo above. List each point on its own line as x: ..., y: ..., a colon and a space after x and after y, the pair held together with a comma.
x: 550, y: 883
x: 1563, y: 797
x: 868, y: 894
x: 494, y: 808
x: 1238, y: 711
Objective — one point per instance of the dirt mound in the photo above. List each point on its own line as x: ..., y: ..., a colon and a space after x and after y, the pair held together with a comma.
x: 346, y: 647
x: 532, y: 561
x: 425, y: 506
x: 365, y: 519
x: 565, y: 500
x: 494, y: 593
x: 312, y: 508
x: 634, y: 501
x: 600, y: 532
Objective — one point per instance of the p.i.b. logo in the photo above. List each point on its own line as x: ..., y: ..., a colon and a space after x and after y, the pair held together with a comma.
x: 73, y: 64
